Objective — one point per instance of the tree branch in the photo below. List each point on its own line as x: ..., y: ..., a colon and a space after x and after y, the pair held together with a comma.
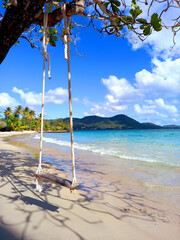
x: 116, y: 19
x: 18, y: 19
x: 15, y: 21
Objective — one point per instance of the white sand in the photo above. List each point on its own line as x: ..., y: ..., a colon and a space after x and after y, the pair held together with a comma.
x: 102, y: 209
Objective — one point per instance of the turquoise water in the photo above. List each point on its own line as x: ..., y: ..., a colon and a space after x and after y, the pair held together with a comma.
x: 160, y: 147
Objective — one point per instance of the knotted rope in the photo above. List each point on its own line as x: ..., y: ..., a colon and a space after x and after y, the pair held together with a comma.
x: 67, y: 41
x: 45, y: 55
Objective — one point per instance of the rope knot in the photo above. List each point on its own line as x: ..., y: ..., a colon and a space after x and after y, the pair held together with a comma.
x: 65, y: 36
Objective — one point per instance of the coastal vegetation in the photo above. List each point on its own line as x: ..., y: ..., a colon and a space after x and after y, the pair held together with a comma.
x: 26, y: 119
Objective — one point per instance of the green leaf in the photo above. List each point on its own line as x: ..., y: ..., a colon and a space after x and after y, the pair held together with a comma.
x: 52, y: 42
x: 41, y: 30
x: 17, y: 43
x: 147, y: 30
x: 141, y: 20
x: 106, y: 4
x: 6, y: 4
x: 133, y: 4
x: 123, y: 18
x: 55, y: 38
x: 50, y: 7
x: 155, y: 22
x: 117, y: 3
x: 132, y: 12
x: 55, y: 31
x: 120, y: 27
x: 157, y: 27
x: 138, y: 11
x: 130, y: 27
x: 114, y: 8
x: 71, y: 26
x: 154, y: 18
x: 130, y: 19
x: 135, y: 12
x: 49, y: 31
x: 142, y: 26
x: 117, y: 20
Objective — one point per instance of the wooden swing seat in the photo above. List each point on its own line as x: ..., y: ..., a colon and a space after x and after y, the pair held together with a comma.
x: 57, y: 180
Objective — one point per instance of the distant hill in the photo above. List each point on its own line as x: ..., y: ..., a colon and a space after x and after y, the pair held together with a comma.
x: 171, y: 127
x: 120, y: 121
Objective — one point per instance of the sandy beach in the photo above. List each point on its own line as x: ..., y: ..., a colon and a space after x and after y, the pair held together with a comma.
x: 106, y: 206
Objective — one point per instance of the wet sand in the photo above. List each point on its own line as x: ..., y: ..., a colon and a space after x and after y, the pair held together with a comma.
x: 108, y: 205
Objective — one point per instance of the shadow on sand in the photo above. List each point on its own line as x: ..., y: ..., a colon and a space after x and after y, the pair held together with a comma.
x: 95, y: 199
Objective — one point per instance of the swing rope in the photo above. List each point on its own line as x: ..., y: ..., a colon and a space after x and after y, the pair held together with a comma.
x: 39, y: 172
x: 39, y: 169
x: 67, y: 41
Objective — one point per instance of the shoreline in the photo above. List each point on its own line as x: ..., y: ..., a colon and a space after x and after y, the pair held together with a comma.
x: 105, y: 206
x: 147, y: 174
x: 143, y: 176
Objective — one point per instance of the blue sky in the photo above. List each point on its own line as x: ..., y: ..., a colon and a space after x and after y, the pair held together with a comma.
x: 116, y: 76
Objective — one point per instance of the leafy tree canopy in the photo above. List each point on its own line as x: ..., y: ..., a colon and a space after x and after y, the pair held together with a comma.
x: 24, y: 18
x: 27, y: 119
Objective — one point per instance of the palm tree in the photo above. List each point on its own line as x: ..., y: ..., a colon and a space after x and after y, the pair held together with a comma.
x: 18, y: 111
x: 26, y: 112
x: 39, y: 121
x: 8, y: 112
x: 31, y: 116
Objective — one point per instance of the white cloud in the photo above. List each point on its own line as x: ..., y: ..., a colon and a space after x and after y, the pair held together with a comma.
x: 157, y: 107
x: 161, y: 104
x: 85, y: 101
x: 164, y: 78
x: 95, y: 108
x: 97, y: 114
x: 175, y: 120
x: 76, y: 99
x: 121, y: 90
x: 145, y: 93
x: 160, y: 44
x: 109, y: 107
x: 121, y: 93
x: 102, y: 108
x: 7, y: 101
x: 56, y: 96
x: 30, y: 98
x: 145, y: 109
x: 111, y: 99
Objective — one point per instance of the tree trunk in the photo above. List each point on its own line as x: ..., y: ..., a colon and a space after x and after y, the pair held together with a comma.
x: 18, y: 19
x: 15, y: 21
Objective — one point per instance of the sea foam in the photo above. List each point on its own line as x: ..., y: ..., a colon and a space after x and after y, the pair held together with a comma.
x: 114, y: 149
